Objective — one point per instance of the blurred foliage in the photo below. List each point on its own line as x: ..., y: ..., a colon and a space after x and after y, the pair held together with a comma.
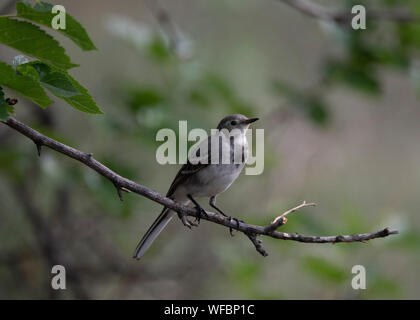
x: 409, y: 240
x: 185, y: 82
x: 363, y: 54
x: 179, y: 85
x: 324, y: 269
x: 311, y: 104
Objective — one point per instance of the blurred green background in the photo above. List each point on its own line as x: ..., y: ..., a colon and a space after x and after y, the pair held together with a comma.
x: 340, y: 110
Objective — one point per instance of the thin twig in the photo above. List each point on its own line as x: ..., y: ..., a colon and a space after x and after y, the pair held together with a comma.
x: 248, y: 229
x: 257, y: 243
x: 281, y: 220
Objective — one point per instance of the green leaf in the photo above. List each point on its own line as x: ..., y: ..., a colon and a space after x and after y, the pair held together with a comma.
x: 24, y: 85
x: 31, y: 40
x: 3, y: 106
x: 41, y: 13
x: 62, y: 85
x: 83, y: 101
x: 57, y: 82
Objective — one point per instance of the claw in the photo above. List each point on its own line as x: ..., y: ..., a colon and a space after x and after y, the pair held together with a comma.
x: 199, y: 212
x: 230, y: 228
x: 188, y: 223
x: 230, y: 218
x: 198, y: 208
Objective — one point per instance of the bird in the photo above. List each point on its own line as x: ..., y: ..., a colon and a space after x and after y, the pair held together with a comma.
x: 204, y: 178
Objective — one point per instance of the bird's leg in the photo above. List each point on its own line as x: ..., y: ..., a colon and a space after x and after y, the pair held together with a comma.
x: 212, y: 203
x: 199, y: 209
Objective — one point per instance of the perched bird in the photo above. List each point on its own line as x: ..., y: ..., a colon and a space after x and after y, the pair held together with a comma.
x: 205, y: 178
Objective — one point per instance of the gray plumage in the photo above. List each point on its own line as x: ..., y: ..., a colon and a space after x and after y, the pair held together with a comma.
x: 204, y: 179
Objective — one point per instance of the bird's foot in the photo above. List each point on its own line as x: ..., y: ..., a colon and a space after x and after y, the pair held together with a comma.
x: 200, y: 211
x: 229, y: 217
x: 237, y: 225
x: 186, y: 222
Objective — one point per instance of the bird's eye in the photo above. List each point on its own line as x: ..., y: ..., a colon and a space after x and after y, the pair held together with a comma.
x: 233, y: 123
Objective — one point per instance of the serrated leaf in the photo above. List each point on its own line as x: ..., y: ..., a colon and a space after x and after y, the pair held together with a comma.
x: 62, y: 85
x: 55, y: 81
x: 31, y: 40
x: 83, y: 101
x: 24, y: 85
x: 41, y: 13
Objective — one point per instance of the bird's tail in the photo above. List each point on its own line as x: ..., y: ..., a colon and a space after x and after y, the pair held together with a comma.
x: 151, y: 234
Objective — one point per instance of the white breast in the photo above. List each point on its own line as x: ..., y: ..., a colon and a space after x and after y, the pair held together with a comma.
x: 216, y: 178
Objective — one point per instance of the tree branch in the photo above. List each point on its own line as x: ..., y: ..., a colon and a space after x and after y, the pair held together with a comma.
x: 343, y: 16
x: 252, y: 231
x: 281, y: 220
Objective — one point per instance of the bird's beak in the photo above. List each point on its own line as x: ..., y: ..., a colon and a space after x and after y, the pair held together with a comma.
x: 248, y: 121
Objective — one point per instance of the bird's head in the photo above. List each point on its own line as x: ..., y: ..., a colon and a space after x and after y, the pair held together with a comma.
x: 236, y: 121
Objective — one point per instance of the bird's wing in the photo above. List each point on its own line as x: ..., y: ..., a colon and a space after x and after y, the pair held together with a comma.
x: 189, y: 169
